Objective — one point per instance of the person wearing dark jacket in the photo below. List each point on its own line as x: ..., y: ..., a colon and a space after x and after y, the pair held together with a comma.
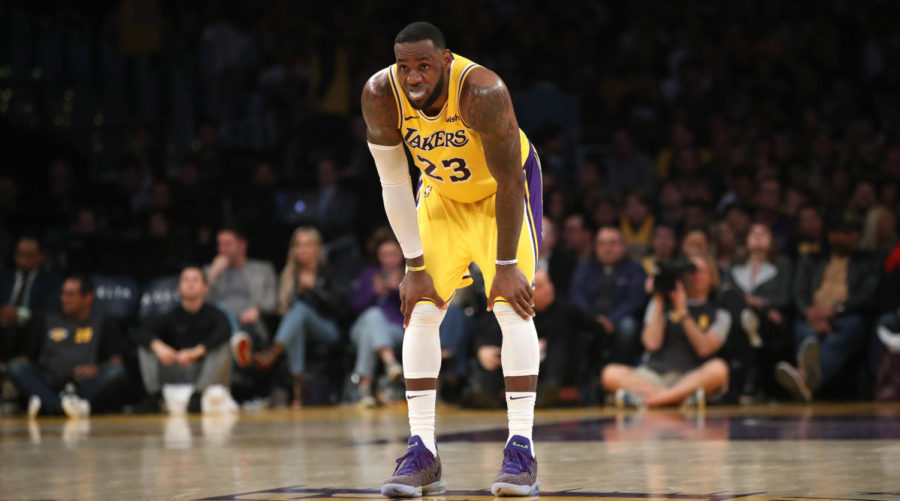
x: 764, y: 282
x: 832, y: 293
x: 559, y: 324
x: 610, y: 288
x: 25, y: 291
x: 76, y: 347
x: 309, y: 300
x: 188, y: 345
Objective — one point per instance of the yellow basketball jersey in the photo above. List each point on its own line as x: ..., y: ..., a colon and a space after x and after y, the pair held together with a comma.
x: 449, y: 154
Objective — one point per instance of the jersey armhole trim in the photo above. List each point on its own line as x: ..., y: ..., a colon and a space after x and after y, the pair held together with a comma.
x: 462, y: 78
x: 396, y: 99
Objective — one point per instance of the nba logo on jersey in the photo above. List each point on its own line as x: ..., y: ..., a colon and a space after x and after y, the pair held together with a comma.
x: 58, y: 334
x: 427, y: 191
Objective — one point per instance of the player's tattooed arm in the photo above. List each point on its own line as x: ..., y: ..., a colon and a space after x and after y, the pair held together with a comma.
x: 379, y: 107
x: 382, y: 121
x: 485, y: 106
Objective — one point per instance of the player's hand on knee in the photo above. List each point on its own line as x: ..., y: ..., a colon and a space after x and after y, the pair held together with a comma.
x: 417, y: 285
x: 510, y: 284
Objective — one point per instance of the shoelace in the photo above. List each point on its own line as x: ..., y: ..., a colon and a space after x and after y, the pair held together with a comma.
x: 417, y: 461
x: 515, y: 461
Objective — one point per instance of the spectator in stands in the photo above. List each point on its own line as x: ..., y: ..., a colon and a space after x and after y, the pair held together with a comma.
x: 564, y: 359
x: 810, y: 231
x: 188, y: 345
x: 727, y: 249
x: 636, y: 223
x: 605, y: 211
x: 696, y: 215
x: 832, y: 294
x: 663, y: 247
x: 379, y: 328
x: 681, y: 334
x: 627, y: 168
x: 671, y: 204
x: 863, y: 197
x: 695, y: 243
x: 879, y: 232
x: 244, y: 288
x: 682, y: 138
x: 577, y: 237
x: 333, y: 208
x: 75, y: 352
x: 309, y: 299
x: 590, y: 179
x: 610, y: 288
x: 768, y: 211
x: 764, y: 279
x: 25, y: 292
x: 558, y: 262
x: 739, y: 218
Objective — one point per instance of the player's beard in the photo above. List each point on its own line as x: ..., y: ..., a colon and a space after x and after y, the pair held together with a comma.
x: 435, y: 94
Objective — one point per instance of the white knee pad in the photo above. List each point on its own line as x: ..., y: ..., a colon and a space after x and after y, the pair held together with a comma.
x: 521, y: 353
x: 422, y: 342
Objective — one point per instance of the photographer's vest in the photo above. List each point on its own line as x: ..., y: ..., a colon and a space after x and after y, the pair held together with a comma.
x: 677, y: 354
x: 68, y: 343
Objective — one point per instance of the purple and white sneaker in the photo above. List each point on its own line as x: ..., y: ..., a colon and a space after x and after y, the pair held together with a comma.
x: 518, y: 475
x: 418, y: 473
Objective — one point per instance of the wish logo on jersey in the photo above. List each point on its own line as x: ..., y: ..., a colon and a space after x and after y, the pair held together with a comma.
x: 437, y: 140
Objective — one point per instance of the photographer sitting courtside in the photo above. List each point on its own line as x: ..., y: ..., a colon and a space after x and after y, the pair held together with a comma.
x: 680, y: 335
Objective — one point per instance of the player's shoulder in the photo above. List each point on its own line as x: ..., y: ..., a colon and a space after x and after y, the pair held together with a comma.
x: 483, y: 98
x: 379, y: 106
x: 378, y: 86
x: 482, y: 80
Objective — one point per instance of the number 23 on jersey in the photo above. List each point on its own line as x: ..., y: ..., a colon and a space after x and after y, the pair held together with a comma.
x: 458, y: 172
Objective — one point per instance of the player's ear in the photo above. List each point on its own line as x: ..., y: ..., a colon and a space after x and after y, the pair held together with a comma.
x: 446, y: 58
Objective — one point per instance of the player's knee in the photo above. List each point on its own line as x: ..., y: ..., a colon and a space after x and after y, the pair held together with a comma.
x: 506, y: 315
x: 426, y: 314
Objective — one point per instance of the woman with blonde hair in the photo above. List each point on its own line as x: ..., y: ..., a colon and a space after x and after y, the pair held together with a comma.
x: 308, y: 299
x: 880, y: 231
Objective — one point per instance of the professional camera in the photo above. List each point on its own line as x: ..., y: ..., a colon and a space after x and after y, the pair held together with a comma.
x: 668, y: 273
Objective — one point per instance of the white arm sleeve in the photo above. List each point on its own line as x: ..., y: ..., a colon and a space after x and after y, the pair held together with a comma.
x: 396, y: 190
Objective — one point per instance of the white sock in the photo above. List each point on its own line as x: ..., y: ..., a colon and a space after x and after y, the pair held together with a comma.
x: 421, y: 416
x: 520, y: 411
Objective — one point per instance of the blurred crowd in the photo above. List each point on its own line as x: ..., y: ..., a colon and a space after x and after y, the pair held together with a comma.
x: 190, y: 184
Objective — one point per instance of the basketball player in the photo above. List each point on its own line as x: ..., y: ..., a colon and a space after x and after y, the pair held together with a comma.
x: 479, y: 200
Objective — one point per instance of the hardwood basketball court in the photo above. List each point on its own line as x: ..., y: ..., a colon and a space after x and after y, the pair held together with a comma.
x: 826, y: 451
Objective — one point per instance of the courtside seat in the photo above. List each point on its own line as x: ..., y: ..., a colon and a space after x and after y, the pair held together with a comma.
x: 116, y: 296
x: 159, y: 297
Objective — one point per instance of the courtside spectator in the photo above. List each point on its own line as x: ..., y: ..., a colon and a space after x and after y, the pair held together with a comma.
x: 832, y: 294
x: 610, y: 288
x: 379, y: 329
x: 73, y: 364
x: 25, y: 291
x: 309, y: 299
x: 188, y: 345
